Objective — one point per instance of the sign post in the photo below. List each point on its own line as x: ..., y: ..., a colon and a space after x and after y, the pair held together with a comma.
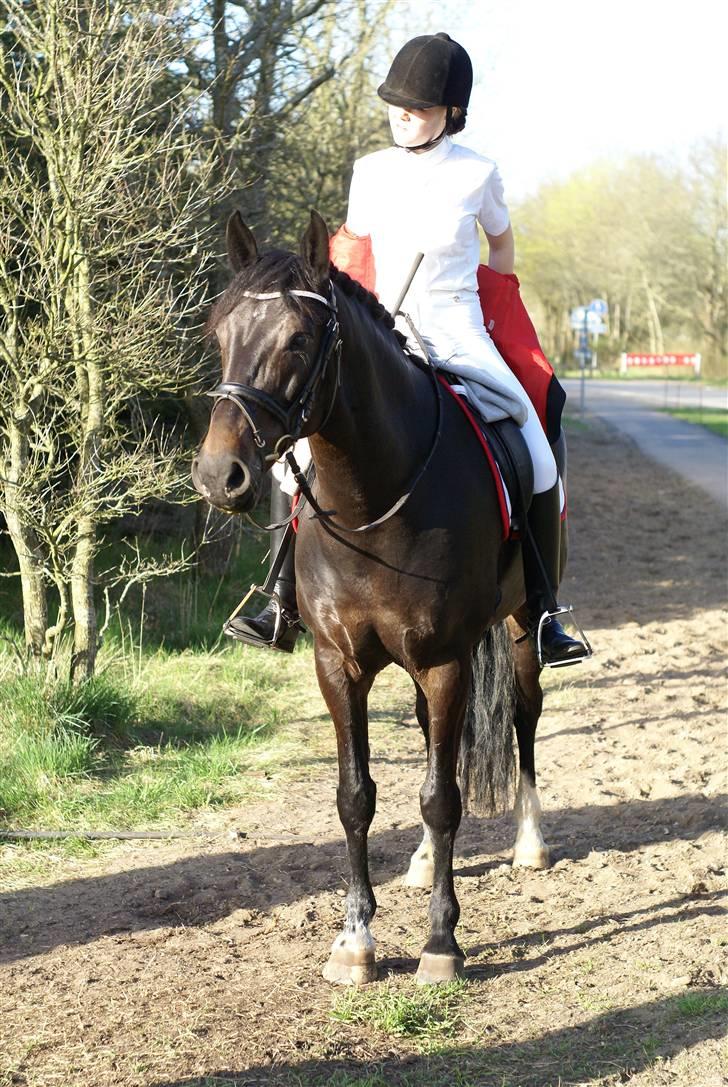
x: 586, y: 320
x: 583, y: 356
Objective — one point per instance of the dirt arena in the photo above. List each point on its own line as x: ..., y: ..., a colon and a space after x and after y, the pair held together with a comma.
x: 192, y: 965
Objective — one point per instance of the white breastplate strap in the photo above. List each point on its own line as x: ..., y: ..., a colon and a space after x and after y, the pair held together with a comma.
x: 299, y: 294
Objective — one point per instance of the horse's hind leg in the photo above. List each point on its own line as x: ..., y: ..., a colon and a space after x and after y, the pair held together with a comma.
x: 530, y: 850
x: 352, y: 955
x: 422, y: 865
x: 446, y: 690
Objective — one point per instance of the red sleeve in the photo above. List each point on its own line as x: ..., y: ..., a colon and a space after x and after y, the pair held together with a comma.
x: 352, y: 254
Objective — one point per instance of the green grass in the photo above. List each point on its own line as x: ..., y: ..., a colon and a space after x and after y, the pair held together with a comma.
x: 428, y: 1014
x: 715, y: 419
x: 693, y: 1005
x: 123, y: 754
x: 176, y: 720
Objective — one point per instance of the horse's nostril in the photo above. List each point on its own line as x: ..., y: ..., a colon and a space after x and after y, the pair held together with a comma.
x: 238, y: 479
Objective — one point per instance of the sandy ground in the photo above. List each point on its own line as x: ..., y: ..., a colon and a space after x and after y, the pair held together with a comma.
x: 181, y: 965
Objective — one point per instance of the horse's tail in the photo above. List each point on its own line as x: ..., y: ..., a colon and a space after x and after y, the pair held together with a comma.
x: 486, y: 764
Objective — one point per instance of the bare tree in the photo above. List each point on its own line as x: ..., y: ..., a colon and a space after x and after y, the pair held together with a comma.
x: 104, y: 250
x: 270, y: 80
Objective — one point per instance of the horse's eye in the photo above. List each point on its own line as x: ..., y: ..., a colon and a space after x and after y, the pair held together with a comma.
x: 298, y: 342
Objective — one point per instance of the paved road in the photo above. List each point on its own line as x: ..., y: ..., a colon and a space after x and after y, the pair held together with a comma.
x: 697, y: 454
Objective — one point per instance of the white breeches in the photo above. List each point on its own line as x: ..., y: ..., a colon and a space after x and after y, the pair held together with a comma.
x: 452, y: 327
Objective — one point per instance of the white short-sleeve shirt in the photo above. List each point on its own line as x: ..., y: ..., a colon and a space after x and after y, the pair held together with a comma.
x: 426, y: 203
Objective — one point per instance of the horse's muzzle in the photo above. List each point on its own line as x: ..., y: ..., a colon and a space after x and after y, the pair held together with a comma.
x: 225, y: 481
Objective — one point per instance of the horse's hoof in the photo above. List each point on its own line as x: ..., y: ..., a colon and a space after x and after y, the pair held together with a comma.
x: 539, y: 857
x: 420, y: 873
x: 351, y: 961
x: 437, y: 969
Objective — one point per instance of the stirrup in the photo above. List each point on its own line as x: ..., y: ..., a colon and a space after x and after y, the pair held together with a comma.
x: 286, y: 626
x: 566, y: 609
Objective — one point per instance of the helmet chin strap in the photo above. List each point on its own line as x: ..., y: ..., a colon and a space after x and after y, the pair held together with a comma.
x: 436, y: 139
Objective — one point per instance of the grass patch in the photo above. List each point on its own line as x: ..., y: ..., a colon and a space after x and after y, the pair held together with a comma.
x: 714, y: 419
x: 693, y: 1005
x: 176, y: 720
x: 428, y: 1014
x: 136, y: 748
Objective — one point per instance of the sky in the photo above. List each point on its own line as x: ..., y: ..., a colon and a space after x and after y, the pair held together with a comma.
x: 561, y: 83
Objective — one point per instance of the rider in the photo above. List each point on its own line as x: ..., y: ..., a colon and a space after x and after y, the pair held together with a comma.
x: 427, y: 194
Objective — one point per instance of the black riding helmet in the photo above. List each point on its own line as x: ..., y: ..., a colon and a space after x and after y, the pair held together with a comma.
x: 430, y: 70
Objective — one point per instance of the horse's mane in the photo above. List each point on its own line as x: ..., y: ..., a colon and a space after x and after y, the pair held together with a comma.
x: 355, y: 290
x: 280, y: 270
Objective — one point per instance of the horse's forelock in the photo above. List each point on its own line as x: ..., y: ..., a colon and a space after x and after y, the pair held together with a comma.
x: 275, y: 270
x: 280, y: 270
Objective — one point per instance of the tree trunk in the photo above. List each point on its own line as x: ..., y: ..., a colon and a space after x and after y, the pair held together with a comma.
x: 85, y: 634
x: 25, y: 542
x: 91, y: 397
x: 657, y: 344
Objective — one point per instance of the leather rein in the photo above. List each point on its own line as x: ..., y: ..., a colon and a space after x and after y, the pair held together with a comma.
x: 294, y: 414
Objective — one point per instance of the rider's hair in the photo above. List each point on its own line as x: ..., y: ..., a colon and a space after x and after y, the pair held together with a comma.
x: 456, y: 118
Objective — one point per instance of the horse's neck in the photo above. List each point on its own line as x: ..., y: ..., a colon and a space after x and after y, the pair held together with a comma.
x: 382, y: 421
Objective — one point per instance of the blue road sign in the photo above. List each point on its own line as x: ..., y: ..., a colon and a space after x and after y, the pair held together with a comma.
x: 583, y: 314
x: 598, y: 306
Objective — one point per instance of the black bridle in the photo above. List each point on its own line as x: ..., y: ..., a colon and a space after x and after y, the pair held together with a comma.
x: 295, y: 413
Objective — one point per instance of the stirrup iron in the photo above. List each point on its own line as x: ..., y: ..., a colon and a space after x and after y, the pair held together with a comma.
x: 565, y: 609
x: 282, y: 623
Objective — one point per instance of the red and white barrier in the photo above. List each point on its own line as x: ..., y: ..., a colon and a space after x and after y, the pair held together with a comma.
x: 676, y: 359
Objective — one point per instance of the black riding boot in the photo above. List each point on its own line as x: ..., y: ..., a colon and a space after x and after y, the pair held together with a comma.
x: 544, y: 521
x: 277, y: 625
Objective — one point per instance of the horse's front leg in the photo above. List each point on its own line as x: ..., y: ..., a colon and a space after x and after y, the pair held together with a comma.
x: 446, y: 689
x: 352, y: 956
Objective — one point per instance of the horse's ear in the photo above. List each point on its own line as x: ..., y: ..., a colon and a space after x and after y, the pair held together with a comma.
x: 315, y: 248
x: 241, y: 245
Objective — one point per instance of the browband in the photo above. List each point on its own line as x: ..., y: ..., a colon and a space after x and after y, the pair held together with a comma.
x: 299, y: 294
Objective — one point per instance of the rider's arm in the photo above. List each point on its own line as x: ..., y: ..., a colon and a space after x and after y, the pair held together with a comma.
x: 495, y: 221
x: 501, y: 251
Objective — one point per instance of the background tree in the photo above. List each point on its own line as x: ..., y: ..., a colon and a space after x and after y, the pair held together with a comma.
x: 104, y: 221
x: 286, y: 130
x: 648, y: 236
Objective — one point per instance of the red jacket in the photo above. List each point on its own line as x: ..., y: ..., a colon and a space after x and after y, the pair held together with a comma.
x: 504, y: 315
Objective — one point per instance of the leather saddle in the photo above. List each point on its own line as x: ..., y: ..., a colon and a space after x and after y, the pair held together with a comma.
x: 510, y: 451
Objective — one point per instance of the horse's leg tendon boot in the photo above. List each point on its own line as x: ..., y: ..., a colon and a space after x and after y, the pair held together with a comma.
x: 554, y: 645
x: 277, y: 625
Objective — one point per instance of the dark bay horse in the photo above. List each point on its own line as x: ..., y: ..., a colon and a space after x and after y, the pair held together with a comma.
x: 428, y: 589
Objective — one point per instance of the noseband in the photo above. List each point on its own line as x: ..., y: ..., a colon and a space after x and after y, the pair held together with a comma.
x: 293, y: 414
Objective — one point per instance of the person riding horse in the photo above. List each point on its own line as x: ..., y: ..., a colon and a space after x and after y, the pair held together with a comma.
x: 427, y: 194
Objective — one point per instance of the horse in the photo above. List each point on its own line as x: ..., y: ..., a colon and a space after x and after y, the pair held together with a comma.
x: 431, y: 586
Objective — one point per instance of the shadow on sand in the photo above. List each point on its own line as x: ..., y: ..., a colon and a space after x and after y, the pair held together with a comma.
x: 612, y: 1047
x: 203, y: 888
